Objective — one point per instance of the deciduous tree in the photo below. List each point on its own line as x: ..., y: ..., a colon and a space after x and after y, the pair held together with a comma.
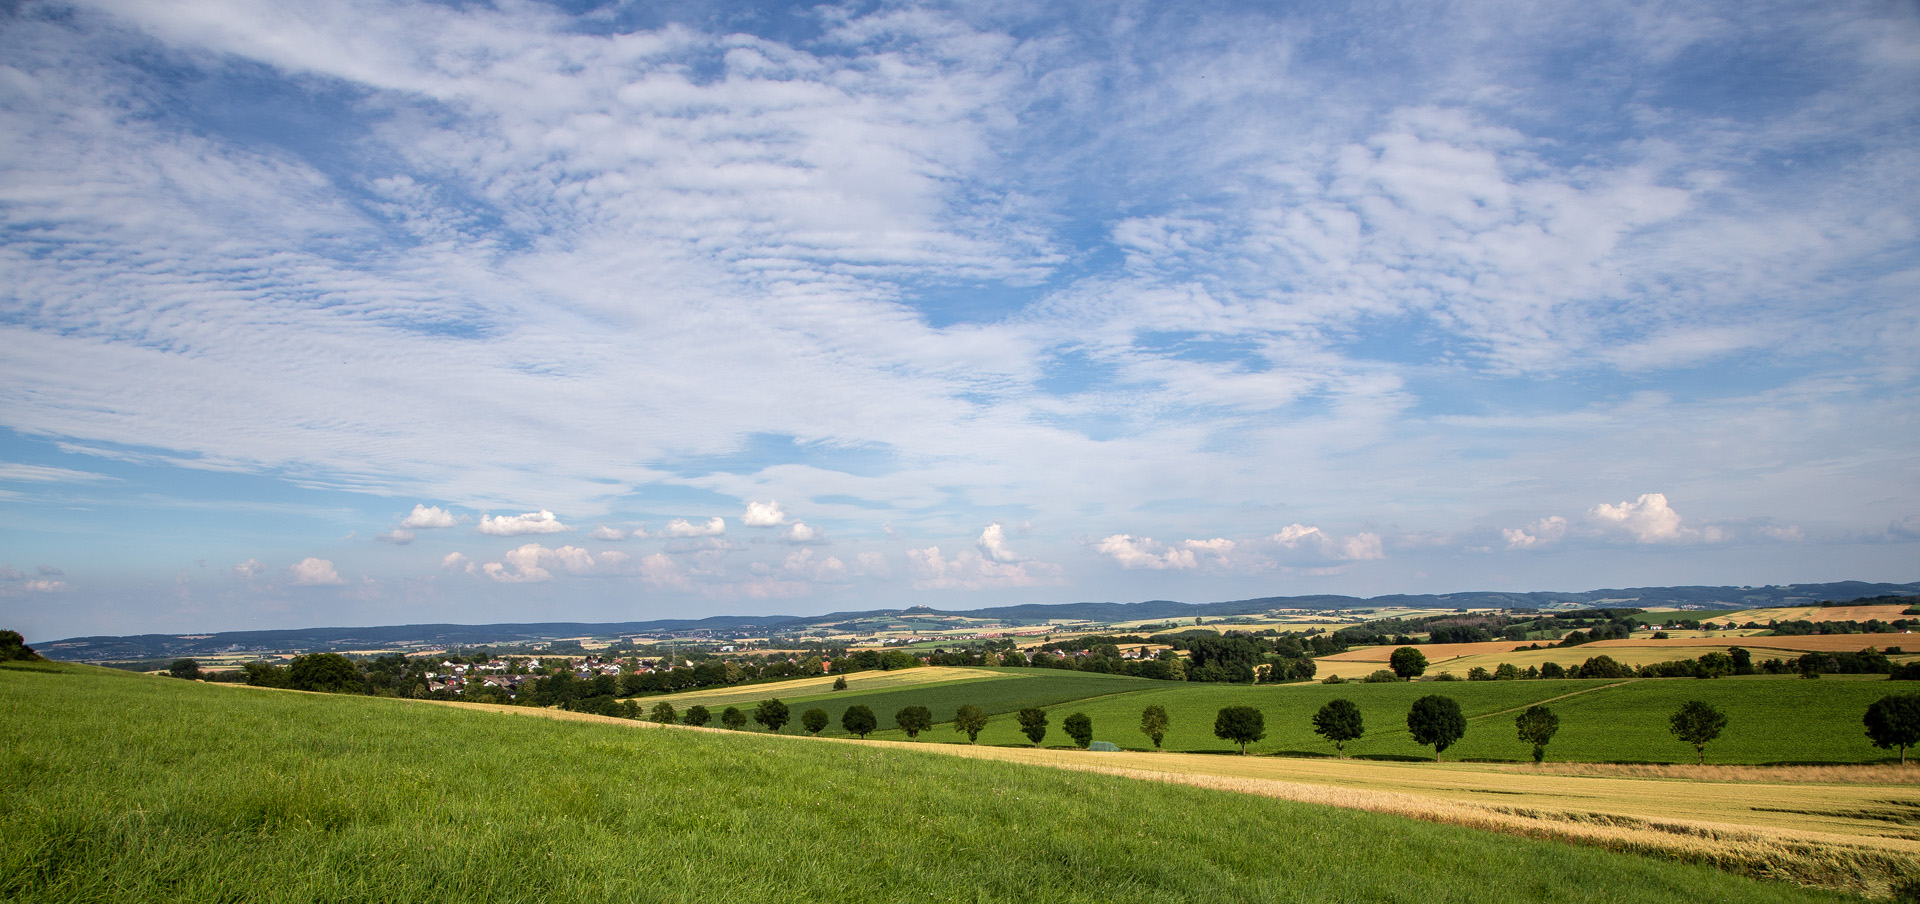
x: 913, y: 720
x: 972, y: 720
x: 1697, y: 723
x: 1408, y: 663
x: 859, y: 720
x: 733, y: 718
x: 1436, y: 722
x: 1241, y: 725
x: 815, y: 720
x: 1339, y: 721
x: 771, y: 713
x: 1033, y: 724
x: 184, y: 668
x: 1154, y: 722
x: 1537, y: 726
x: 663, y: 713
x: 1894, y: 721
x: 840, y: 683
x: 329, y: 672
x: 1080, y: 728
x: 697, y: 715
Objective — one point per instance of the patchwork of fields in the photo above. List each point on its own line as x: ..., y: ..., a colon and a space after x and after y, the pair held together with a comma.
x: 132, y: 788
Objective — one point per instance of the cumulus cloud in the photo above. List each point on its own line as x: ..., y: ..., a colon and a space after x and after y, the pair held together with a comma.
x: 764, y: 514
x: 1543, y: 532
x: 873, y: 563
x: 603, y: 532
x: 43, y: 585
x: 533, y: 562
x: 397, y: 536
x: 251, y: 568
x: 1319, y: 544
x: 1143, y: 552
x: 425, y: 517
x: 993, y: 565
x: 1650, y: 519
x: 313, y: 572
x: 661, y: 570
x: 457, y: 562
x: 681, y: 527
x: 801, y: 532
x: 540, y: 522
x: 827, y: 570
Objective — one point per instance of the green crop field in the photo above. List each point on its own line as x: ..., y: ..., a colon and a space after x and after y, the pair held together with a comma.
x: 996, y: 691
x: 128, y: 788
x: 1771, y: 719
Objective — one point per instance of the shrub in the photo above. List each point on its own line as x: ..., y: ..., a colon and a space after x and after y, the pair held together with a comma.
x: 1380, y: 677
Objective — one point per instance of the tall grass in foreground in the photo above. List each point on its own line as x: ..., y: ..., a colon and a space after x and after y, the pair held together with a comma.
x: 129, y: 788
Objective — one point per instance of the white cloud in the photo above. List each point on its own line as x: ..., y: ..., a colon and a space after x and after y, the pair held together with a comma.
x: 873, y: 563
x: 43, y: 585
x: 313, y: 572
x: 251, y: 568
x: 767, y: 514
x: 603, y: 532
x: 18, y: 473
x: 1782, y: 533
x: 1317, y: 543
x: 540, y: 522
x: 1543, y: 532
x: 425, y: 517
x: 397, y: 536
x: 681, y: 527
x: 457, y: 562
x: 1143, y: 552
x: 828, y: 570
x: 993, y: 544
x: 800, y: 532
x: 661, y: 570
x: 993, y: 566
x: 1650, y: 519
x: 532, y: 562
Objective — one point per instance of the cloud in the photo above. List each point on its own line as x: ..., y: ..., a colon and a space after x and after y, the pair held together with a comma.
x: 43, y: 585
x: 660, y: 570
x: 681, y: 527
x: 540, y: 522
x: 993, y: 544
x: 427, y: 517
x: 397, y: 537
x: 312, y: 572
x: 800, y: 532
x: 1543, y: 532
x: 251, y: 568
x: 532, y: 562
x: 457, y: 562
x: 1781, y: 533
x: 1143, y: 552
x: 1650, y: 519
x: 1319, y: 544
x: 767, y: 514
x: 829, y: 570
x: 18, y: 473
x: 993, y: 565
x: 603, y: 532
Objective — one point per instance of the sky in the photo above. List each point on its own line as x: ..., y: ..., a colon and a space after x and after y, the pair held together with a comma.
x: 371, y: 312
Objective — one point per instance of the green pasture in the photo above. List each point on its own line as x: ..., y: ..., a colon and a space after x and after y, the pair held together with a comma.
x: 128, y: 788
x: 1771, y: 719
x: 998, y: 691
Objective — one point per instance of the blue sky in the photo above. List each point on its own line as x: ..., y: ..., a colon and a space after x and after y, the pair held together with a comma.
x: 372, y: 312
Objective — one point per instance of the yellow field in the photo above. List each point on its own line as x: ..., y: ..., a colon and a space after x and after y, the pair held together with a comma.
x: 1807, y: 613
x: 802, y: 687
x: 1635, y: 651
x: 1840, y: 827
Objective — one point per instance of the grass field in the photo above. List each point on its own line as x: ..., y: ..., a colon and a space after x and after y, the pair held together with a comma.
x: 128, y: 788
x: 1459, y: 657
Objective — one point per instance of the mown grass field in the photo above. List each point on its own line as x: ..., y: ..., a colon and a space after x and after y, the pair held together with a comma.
x: 129, y: 788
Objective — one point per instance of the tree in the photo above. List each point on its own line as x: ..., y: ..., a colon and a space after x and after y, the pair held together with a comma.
x: 1080, y: 728
x: 1339, y: 721
x: 814, y: 720
x: 1697, y: 723
x: 1154, y: 722
x: 184, y: 668
x: 733, y: 718
x: 1033, y: 724
x: 771, y: 713
x: 1436, y: 722
x: 1536, y: 726
x: 1604, y: 667
x: 1241, y: 725
x: 1552, y: 670
x: 663, y: 713
x: 697, y: 715
x: 859, y: 720
x: 327, y: 672
x: 914, y: 720
x: 840, y: 683
x: 13, y: 646
x: 972, y: 720
x: 1894, y: 721
x: 1408, y: 663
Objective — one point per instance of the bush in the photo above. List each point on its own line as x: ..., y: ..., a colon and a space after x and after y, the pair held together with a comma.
x: 1381, y: 677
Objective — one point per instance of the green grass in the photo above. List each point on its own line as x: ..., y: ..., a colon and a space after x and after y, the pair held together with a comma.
x: 1771, y: 719
x: 127, y: 788
x: 998, y: 691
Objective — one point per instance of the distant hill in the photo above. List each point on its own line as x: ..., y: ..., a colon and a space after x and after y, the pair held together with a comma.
x: 160, y: 646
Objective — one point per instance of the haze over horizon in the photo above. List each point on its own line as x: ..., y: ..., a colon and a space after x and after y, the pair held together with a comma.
x: 393, y: 312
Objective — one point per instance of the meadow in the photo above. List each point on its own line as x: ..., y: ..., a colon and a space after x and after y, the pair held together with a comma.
x: 131, y: 788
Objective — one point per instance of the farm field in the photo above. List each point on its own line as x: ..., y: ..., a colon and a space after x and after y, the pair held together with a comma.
x: 857, y: 682
x: 998, y: 691
x: 1459, y: 657
x: 132, y: 788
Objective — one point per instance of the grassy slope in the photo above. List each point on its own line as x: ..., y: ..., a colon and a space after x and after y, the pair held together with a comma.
x: 129, y: 788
